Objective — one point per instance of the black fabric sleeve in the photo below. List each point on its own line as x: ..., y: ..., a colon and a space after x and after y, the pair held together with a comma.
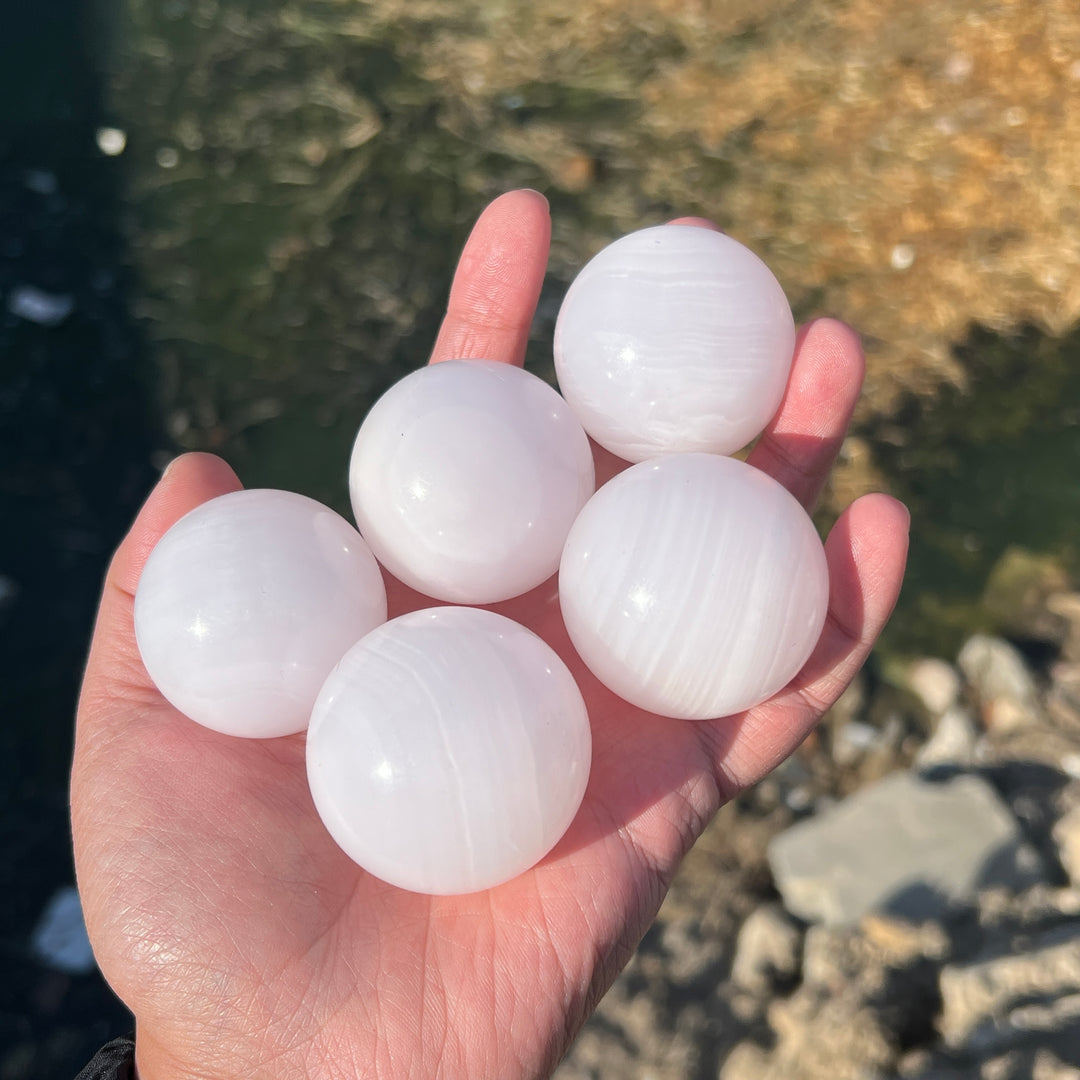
x: 114, y: 1061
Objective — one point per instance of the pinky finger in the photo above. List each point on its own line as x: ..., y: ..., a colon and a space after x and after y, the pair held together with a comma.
x: 867, y: 553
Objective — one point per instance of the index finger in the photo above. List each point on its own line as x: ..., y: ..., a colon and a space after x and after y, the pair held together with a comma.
x: 497, y: 283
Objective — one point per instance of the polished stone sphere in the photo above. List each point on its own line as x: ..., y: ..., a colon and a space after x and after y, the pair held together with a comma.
x: 449, y: 750
x: 247, y: 603
x: 674, y: 339
x: 466, y: 477
x: 694, y: 586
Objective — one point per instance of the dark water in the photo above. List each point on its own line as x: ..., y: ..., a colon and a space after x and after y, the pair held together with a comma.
x: 984, y: 469
x: 271, y: 250
x: 76, y: 433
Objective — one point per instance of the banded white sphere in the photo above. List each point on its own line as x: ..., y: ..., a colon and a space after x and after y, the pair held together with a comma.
x: 247, y: 603
x: 449, y: 750
x: 466, y: 477
x: 694, y: 586
x: 674, y: 339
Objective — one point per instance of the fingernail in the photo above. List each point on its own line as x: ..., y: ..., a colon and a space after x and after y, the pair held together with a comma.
x: 907, y: 516
x: 697, y: 222
x: 169, y: 468
x: 540, y: 193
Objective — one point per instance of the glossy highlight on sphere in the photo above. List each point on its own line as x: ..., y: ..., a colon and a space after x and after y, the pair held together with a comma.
x: 466, y: 477
x: 449, y: 750
x: 247, y: 603
x: 674, y: 339
x: 694, y: 586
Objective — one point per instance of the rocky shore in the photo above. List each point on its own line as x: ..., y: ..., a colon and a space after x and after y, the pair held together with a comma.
x: 900, y: 900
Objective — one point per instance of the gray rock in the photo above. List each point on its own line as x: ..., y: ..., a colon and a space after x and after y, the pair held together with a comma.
x: 1033, y: 910
x: 1008, y: 1066
x: 830, y: 1037
x: 997, y: 673
x: 38, y: 306
x: 1048, y: 1066
x: 1066, y: 833
x: 833, y: 958
x: 59, y: 939
x: 852, y: 741
x: 935, y: 683
x: 767, y: 950
x: 953, y: 742
x: 1063, y: 697
x: 1002, y: 999
x: 905, y: 846
x: 900, y: 944
x: 747, y: 1061
x: 1067, y: 606
x: 690, y: 956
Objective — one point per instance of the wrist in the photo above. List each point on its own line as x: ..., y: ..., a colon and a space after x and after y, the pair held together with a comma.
x: 153, y: 1061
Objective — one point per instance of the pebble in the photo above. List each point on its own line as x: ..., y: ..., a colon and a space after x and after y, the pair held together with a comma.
x: 767, y: 951
x: 996, y: 998
x: 936, y: 683
x: 38, y: 306
x: 41, y: 181
x: 853, y: 740
x: 1067, y: 606
x: 954, y: 741
x: 111, y: 141
x: 1066, y: 834
x: 902, y: 257
x: 1001, y: 681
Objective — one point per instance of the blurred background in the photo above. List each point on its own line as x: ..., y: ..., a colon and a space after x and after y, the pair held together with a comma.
x: 228, y: 225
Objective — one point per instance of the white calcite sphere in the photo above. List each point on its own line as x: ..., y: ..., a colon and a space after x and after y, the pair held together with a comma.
x: 466, y: 477
x: 247, y: 603
x: 694, y: 586
x: 674, y: 339
x: 449, y: 750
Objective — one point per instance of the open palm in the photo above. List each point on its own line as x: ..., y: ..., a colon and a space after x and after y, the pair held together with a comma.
x: 248, y: 945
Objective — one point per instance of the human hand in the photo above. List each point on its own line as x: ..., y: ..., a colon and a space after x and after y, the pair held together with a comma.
x: 248, y: 945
